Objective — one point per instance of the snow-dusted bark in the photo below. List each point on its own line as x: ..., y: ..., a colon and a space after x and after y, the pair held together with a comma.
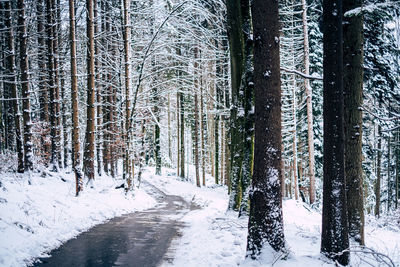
x: 26, y: 94
x: 247, y: 83
x: 308, y: 92
x: 88, y: 155
x: 11, y: 84
x: 353, y: 90
x: 54, y: 90
x: 265, y: 220
x: 334, y: 235
x: 76, y: 156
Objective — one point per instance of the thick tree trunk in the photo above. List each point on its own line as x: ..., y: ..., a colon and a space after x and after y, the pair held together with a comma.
x: 88, y: 159
x: 24, y: 67
x: 334, y: 236
x: 266, y: 220
x: 11, y: 85
x: 76, y: 157
x: 353, y: 88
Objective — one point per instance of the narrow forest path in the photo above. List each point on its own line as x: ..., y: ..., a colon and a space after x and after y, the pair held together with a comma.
x: 137, y: 239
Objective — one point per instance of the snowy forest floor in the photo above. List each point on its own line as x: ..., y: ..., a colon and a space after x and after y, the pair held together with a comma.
x: 39, y: 216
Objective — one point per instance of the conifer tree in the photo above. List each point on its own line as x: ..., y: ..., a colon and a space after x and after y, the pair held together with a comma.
x: 265, y: 220
x: 334, y: 235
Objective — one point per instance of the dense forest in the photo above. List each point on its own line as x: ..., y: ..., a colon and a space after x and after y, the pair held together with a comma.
x: 292, y: 99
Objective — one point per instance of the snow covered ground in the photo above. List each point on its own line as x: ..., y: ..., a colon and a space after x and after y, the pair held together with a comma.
x: 38, y: 217
x: 214, y: 237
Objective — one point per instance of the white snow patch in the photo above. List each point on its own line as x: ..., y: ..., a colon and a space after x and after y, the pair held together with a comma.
x: 38, y: 217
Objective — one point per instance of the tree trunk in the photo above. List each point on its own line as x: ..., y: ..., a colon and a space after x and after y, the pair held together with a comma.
x: 42, y: 87
x: 378, y: 175
x: 397, y: 172
x: 334, y: 236
x: 178, y: 143
x: 247, y: 83
x: 308, y: 91
x: 99, y: 116
x: 295, y: 184
x: 11, y: 85
x: 389, y: 186
x: 196, y: 118
x: 88, y: 159
x: 75, y: 102
x: 353, y: 88
x: 169, y: 129
x: 202, y: 128
x: 26, y: 106
x: 53, y: 87
x: 182, y: 132
x: 236, y: 45
x: 266, y: 220
x: 127, y: 37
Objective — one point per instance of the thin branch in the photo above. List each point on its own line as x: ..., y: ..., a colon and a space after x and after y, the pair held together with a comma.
x: 305, y: 76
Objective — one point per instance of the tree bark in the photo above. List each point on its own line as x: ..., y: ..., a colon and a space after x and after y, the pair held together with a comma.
x: 99, y: 109
x: 334, y: 236
x: 11, y: 85
x: 88, y: 159
x: 266, y: 220
x: 76, y: 157
x: 353, y: 89
x: 24, y: 67
x: 247, y: 83
x: 196, y: 119
x: 182, y: 133
x: 235, y: 36
x: 308, y: 92
x: 378, y: 175
x: 42, y: 87
x: 127, y: 37
x: 53, y: 87
x: 202, y: 128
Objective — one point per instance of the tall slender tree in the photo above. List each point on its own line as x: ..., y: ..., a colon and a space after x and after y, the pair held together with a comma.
x: 24, y: 69
x: 76, y: 157
x: 308, y: 92
x: 235, y: 36
x: 247, y: 84
x: 334, y: 235
x: 88, y: 156
x: 52, y: 85
x: 11, y: 84
x: 266, y: 220
x: 127, y: 35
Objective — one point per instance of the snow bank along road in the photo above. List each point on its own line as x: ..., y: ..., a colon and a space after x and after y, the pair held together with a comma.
x: 136, y: 239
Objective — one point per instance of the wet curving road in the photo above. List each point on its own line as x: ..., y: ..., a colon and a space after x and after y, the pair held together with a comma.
x: 137, y: 239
